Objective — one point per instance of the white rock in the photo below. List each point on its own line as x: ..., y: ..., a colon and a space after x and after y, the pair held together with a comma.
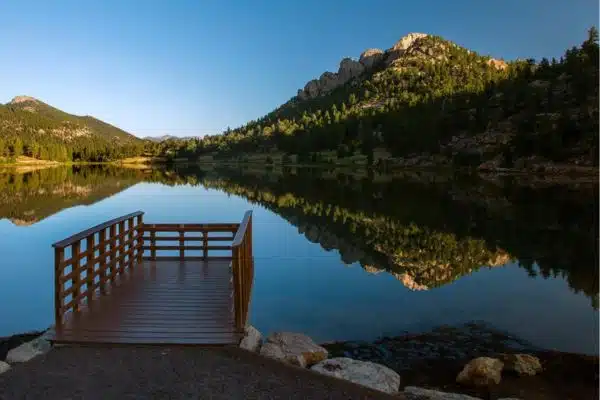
x: 27, y: 351
x: 272, y: 350
x: 298, y: 349
x: 375, y: 376
x: 4, y: 367
x: 417, y: 393
x: 252, y: 339
x: 522, y: 364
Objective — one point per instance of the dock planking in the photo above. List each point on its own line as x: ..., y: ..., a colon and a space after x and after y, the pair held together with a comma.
x: 120, y: 290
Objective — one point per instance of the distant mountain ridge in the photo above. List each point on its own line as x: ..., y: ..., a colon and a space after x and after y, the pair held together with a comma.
x: 28, y: 126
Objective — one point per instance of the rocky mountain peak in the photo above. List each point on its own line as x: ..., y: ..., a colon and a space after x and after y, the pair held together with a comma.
x: 23, y: 99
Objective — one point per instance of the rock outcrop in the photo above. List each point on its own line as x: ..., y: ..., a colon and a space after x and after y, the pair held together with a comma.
x: 401, y: 46
x: 252, y: 339
x: 4, y: 367
x: 293, y: 348
x: 371, y: 57
x: 29, y: 350
x: 375, y: 376
x: 522, y: 364
x: 481, y: 371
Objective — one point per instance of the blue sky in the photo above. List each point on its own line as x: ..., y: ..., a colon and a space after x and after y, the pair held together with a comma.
x: 195, y: 67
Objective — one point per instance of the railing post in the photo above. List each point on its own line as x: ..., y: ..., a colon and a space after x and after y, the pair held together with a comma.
x: 153, y: 243
x: 181, y: 242
x: 89, y: 274
x: 59, y: 258
x: 76, y: 280
x: 102, y: 264
x: 121, y: 251
x: 205, y: 244
x: 140, y: 235
x: 130, y: 243
x: 113, y: 255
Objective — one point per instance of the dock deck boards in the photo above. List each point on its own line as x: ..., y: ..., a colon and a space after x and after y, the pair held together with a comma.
x: 160, y: 302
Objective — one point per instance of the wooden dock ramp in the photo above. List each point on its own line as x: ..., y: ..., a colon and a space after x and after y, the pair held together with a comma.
x: 129, y: 282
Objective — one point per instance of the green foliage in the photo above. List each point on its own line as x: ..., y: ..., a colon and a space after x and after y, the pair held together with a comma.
x: 434, y: 93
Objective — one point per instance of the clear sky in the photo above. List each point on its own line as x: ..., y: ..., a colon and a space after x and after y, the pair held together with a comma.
x: 155, y: 67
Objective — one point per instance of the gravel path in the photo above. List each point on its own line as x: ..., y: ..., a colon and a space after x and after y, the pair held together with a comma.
x: 169, y: 373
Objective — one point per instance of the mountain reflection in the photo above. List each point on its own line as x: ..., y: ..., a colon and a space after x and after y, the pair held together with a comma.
x: 425, y: 229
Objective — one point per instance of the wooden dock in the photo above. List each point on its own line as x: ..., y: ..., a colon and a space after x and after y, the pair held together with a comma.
x: 117, y: 283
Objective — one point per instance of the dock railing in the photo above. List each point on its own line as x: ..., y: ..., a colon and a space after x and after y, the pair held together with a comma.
x: 93, y: 260
x: 90, y: 263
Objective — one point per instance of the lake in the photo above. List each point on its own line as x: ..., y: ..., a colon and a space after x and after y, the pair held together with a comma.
x: 340, y: 255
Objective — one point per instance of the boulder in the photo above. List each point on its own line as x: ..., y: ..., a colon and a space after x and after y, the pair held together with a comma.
x: 371, y: 57
x: 375, y: 376
x: 481, y: 371
x: 522, y: 364
x: 252, y: 339
x: 417, y: 393
x: 4, y: 367
x: 297, y: 349
x: 272, y: 350
x: 29, y: 350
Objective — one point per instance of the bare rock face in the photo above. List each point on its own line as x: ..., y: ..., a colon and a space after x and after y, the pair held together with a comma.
x: 481, y: 371
x: 375, y: 376
x: 294, y: 348
x: 401, y: 46
x: 349, y: 69
x: 371, y: 57
x: 23, y: 99
x: 498, y: 64
x: 327, y: 82
x: 522, y: 364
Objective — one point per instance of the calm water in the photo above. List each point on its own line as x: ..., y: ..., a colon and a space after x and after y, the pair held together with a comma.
x: 340, y: 256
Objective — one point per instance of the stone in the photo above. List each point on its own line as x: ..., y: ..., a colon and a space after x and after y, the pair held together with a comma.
x: 29, y: 350
x: 481, y: 371
x: 297, y: 348
x: 522, y: 364
x: 417, y: 393
x: 498, y: 64
x: 4, y: 367
x: 349, y: 69
x: 371, y: 57
x: 401, y: 46
x: 252, y: 339
x: 272, y: 350
x: 365, y: 373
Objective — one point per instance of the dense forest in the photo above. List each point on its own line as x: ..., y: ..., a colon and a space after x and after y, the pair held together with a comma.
x: 438, y: 99
x: 29, y: 127
x: 438, y: 104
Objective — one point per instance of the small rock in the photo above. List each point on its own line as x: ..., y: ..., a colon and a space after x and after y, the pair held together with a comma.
x: 417, y: 393
x: 375, y: 376
x: 481, y: 371
x: 252, y: 339
x: 298, y: 349
x: 4, y: 367
x: 522, y: 364
x: 272, y: 350
x: 27, y: 351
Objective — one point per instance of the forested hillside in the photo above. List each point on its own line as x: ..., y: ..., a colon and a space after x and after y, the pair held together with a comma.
x: 32, y: 128
x: 428, y: 101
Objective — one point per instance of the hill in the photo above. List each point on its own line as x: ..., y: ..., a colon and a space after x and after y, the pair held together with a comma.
x: 429, y: 101
x: 35, y: 129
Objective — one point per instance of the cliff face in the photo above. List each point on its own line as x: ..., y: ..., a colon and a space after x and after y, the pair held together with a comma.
x: 408, y: 50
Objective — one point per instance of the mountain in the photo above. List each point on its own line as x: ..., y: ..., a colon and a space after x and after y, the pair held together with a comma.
x: 162, y: 138
x: 31, y: 127
x: 429, y: 101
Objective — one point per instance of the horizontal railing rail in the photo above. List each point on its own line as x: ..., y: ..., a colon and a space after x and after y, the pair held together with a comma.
x: 97, y: 258
x: 242, y: 266
x: 185, y: 240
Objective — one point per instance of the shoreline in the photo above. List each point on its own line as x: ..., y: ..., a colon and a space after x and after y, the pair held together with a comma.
x: 432, y: 360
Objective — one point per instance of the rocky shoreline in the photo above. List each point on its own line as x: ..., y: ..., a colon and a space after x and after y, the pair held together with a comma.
x: 467, y: 362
